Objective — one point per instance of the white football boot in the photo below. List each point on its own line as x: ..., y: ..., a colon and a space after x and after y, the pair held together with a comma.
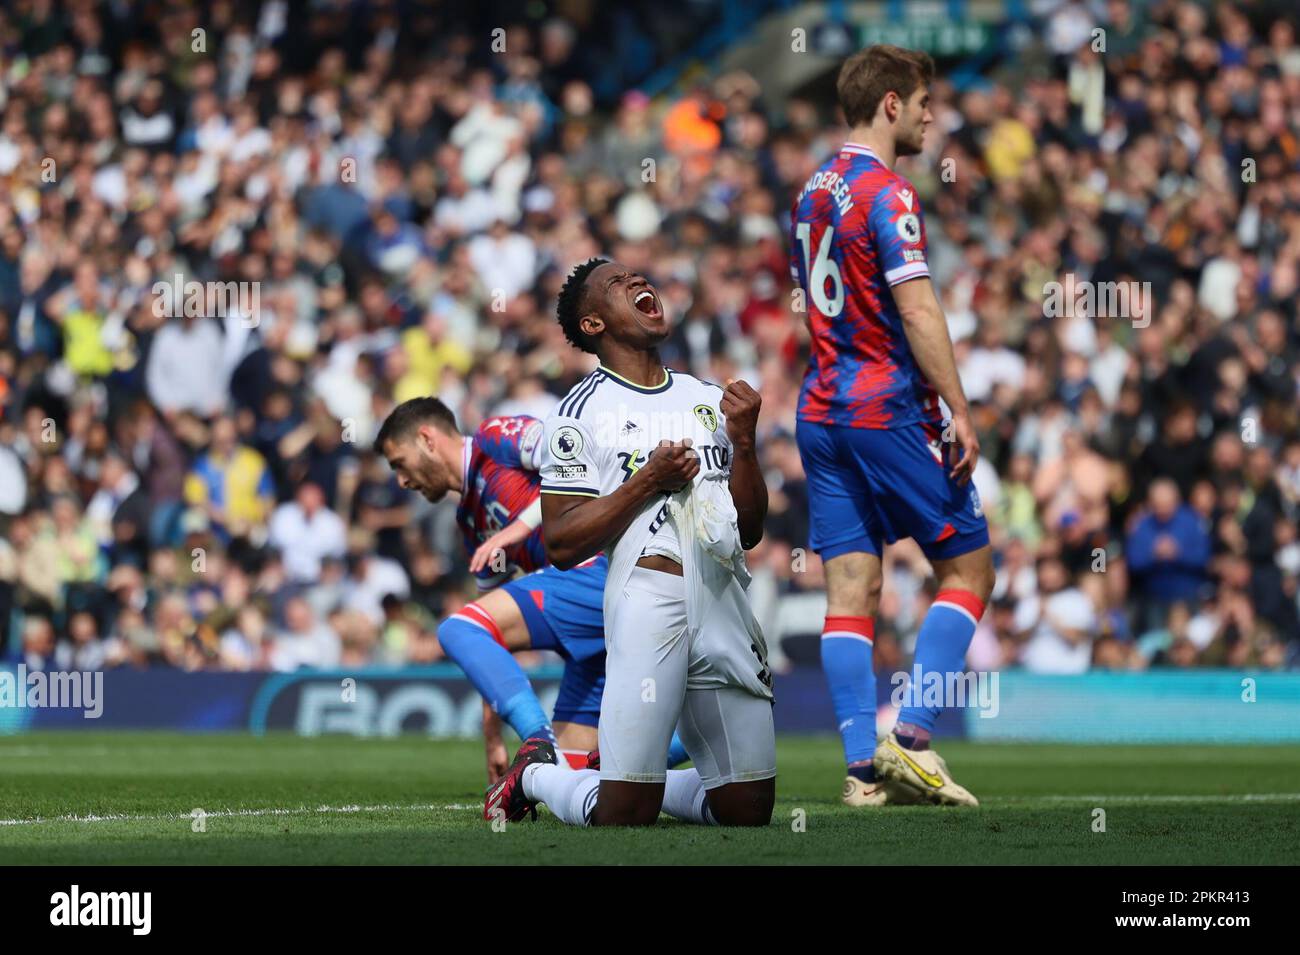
x: 877, y: 794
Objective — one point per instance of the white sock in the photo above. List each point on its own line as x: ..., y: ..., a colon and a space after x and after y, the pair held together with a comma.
x: 569, y: 793
x: 685, y: 797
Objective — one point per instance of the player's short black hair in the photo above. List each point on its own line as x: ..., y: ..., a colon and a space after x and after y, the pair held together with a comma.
x: 409, y: 415
x: 569, y: 308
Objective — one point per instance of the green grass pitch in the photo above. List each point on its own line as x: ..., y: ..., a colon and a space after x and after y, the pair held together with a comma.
x: 127, y: 798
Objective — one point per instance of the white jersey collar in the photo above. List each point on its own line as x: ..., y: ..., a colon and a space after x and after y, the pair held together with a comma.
x: 857, y: 149
x: 651, y: 390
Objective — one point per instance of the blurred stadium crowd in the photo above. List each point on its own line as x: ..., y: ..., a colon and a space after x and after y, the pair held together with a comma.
x: 199, y: 492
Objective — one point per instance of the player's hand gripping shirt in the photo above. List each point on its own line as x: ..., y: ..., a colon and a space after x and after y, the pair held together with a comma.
x: 604, y: 431
x: 856, y: 231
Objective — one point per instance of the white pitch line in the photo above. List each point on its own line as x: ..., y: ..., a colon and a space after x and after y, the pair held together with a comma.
x: 1162, y: 798
x: 460, y: 807
x: 40, y: 751
x: 229, y: 814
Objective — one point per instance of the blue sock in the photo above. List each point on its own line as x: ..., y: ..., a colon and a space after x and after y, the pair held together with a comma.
x: 495, y: 674
x: 941, y: 648
x: 846, y: 658
x: 677, y: 752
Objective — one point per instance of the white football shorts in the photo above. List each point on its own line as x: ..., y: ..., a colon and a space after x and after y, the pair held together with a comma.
x: 656, y: 681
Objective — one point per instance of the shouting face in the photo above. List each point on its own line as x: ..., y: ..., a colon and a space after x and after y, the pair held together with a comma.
x: 624, y: 306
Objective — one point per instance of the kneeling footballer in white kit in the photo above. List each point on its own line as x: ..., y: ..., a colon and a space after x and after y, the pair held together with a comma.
x: 659, y: 470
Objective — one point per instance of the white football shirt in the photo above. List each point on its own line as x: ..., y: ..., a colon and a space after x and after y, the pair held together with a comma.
x: 605, y: 429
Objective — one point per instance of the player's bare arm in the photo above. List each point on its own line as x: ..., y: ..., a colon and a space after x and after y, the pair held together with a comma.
x: 516, y: 532
x: 927, y: 333
x: 576, y: 528
x: 740, y: 405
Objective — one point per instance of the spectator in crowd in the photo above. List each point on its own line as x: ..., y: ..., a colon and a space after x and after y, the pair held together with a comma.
x: 84, y: 651
x: 230, y: 484
x: 305, y: 532
x: 304, y: 640
x: 371, y: 578
x: 1057, y: 623
x: 1168, y: 551
x: 183, y: 373
x: 39, y: 644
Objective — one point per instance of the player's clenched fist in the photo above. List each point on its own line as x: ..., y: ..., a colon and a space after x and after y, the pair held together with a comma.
x: 672, y: 465
x: 739, y: 406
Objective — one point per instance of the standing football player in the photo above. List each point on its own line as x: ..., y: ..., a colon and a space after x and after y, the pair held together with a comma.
x: 659, y: 470
x: 882, y: 463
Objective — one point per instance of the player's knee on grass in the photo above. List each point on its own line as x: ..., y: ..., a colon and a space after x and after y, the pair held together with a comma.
x: 627, y: 804
x: 743, y: 804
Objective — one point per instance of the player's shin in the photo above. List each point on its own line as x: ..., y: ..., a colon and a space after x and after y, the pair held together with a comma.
x: 495, y: 674
x: 941, y: 647
x: 570, y: 794
x: 846, y: 657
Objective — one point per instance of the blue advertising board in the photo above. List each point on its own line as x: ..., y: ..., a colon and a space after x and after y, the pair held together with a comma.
x: 1161, y: 706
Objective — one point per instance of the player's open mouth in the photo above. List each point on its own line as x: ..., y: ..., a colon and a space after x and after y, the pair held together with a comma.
x: 646, y: 303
